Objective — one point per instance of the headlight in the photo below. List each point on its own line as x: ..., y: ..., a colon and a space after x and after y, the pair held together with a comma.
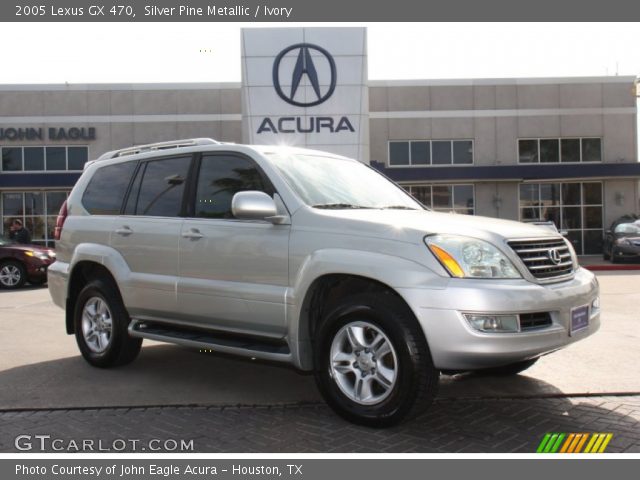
x: 466, y: 257
x: 623, y: 241
x: 40, y: 255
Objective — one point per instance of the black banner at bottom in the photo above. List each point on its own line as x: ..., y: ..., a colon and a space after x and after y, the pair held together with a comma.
x: 540, y: 468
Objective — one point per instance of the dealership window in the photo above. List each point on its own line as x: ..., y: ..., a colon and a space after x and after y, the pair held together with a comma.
x: 38, y: 211
x: 46, y: 158
x: 574, y: 207
x: 430, y: 152
x: 559, y: 150
x: 445, y: 198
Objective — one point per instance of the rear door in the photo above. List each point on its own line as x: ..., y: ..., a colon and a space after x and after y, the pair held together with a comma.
x: 147, y: 235
x: 233, y: 273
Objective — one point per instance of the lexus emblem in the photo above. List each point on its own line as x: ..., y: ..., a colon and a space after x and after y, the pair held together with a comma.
x: 305, y: 64
x: 554, y: 256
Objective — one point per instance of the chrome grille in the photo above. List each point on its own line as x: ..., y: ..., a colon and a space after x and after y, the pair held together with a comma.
x: 537, y: 257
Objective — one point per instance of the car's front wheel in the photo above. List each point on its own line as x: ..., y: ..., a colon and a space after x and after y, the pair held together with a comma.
x: 101, y: 321
x: 12, y: 274
x: 614, y: 256
x: 373, y: 364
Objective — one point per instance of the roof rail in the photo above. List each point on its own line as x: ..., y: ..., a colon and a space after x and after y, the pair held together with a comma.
x: 187, y: 142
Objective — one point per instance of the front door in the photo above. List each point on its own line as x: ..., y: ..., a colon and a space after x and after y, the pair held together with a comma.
x: 233, y: 273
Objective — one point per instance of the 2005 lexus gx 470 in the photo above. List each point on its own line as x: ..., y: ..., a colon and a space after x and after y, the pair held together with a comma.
x: 311, y: 259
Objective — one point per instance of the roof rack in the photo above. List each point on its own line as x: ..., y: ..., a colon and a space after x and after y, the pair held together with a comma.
x: 187, y: 142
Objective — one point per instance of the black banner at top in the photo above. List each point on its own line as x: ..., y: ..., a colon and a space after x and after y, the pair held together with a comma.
x: 316, y: 10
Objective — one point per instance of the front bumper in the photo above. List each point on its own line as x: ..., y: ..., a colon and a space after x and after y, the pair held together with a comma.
x: 37, y: 268
x: 455, y: 345
x: 627, y: 252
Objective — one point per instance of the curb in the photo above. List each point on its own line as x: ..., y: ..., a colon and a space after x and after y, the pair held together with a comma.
x: 605, y: 268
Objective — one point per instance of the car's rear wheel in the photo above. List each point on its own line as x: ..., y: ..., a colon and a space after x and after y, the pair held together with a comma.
x: 373, y: 364
x: 101, y: 322
x: 12, y: 274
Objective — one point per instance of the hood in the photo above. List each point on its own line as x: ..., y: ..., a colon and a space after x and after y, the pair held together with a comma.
x: 417, y: 223
x: 33, y: 248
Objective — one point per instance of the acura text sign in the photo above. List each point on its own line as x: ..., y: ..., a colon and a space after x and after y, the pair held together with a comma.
x: 306, y: 87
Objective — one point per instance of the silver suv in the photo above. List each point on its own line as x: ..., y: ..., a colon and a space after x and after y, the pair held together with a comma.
x: 311, y: 259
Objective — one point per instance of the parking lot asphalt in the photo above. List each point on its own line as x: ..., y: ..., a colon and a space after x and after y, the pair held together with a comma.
x: 226, y: 404
x: 449, y: 426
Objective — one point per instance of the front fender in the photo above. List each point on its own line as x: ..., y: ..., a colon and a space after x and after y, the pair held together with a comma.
x: 393, y: 271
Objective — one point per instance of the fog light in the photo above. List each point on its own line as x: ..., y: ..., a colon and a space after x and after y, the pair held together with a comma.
x: 493, y: 323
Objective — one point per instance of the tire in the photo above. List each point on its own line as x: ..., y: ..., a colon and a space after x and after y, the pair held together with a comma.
x: 606, y: 256
x: 99, y: 305
x: 508, y: 370
x: 378, y: 323
x: 12, y: 274
x: 614, y: 258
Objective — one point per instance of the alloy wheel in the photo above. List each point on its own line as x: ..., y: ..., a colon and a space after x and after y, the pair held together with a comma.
x: 97, y: 324
x: 10, y: 275
x: 363, y: 363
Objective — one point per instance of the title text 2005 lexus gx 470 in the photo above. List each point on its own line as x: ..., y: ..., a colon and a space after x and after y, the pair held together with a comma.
x: 312, y: 259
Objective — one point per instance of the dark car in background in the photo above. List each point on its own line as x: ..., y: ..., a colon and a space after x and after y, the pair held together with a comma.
x: 23, y: 263
x: 622, y: 240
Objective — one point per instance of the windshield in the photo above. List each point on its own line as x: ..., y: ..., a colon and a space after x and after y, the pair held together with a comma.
x: 329, y: 182
x: 628, y: 229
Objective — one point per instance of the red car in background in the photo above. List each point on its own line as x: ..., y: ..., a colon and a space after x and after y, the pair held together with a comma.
x: 23, y: 263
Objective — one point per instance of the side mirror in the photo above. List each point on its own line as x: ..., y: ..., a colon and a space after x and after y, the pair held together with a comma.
x: 253, y: 205
x: 607, y: 232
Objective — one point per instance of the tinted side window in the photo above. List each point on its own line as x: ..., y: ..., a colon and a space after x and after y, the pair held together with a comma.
x: 107, y: 188
x: 160, y: 192
x: 220, y: 178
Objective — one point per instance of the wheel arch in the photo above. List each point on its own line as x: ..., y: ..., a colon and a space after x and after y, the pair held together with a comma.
x: 325, y: 292
x: 360, y: 269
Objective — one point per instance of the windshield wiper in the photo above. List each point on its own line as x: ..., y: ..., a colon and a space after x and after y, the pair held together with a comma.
x: 337, y: 206
x: 398, y: 207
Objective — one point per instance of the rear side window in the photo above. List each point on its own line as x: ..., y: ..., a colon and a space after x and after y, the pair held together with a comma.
x: 107, y: 188
x: 158, y: 188
x: 220, y: 178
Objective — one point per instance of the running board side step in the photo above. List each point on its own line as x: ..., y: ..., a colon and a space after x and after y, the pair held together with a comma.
x: 210, y: 340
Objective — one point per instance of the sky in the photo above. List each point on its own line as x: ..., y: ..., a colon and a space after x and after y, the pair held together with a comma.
x: 210, y: 52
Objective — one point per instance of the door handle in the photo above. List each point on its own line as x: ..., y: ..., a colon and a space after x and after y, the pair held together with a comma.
x: 124, y: 231
x: 193, y: 234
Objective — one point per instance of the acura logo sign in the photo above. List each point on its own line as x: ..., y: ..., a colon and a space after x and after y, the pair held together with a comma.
x: 554, y: 256
x: 308, y: 60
